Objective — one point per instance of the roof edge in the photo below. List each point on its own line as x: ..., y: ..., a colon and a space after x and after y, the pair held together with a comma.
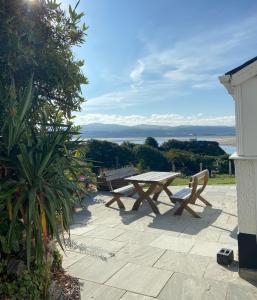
x: 237, y: 69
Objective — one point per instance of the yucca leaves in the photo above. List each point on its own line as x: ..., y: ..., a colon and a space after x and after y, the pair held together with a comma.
x: 14, y: 126
x: 36, y: 190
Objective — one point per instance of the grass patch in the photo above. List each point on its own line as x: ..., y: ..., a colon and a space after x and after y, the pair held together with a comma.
x: 218, y: 179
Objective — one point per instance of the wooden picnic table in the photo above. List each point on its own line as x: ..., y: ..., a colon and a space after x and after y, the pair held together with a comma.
x: 156, y: 183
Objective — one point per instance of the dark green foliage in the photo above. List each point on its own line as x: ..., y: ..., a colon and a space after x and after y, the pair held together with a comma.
x: 39, y: 185
x: 150, y: 141
x: 222, y: 165
x: 40, y: 166
x: 184, y: 161
x: 16, y: 244
x: 197, y: 147
x: 37, y: 38
x: 108, y: 155
x: 30, y: 284
x: 150, y: 158
x: 57, y: 260
x: 189, y: 163
x: 128, y: 145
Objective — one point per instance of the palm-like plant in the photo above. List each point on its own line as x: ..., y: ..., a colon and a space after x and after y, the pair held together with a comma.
x: 39, y: 186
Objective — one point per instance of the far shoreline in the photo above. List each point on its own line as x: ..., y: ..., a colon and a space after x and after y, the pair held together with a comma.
x: 222, y: 140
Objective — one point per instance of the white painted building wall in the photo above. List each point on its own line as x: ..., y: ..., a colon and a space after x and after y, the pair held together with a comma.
x: 243, y: 87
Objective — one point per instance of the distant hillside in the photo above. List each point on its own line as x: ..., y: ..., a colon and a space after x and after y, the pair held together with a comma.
x: 98, y: 130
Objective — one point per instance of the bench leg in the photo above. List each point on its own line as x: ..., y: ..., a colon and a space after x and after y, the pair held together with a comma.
x: 163, y: 187
x: 179, y: 211
x: 192, y: 212
x: 119, y: 202
x: 145, y: 196
x: 204, y: 200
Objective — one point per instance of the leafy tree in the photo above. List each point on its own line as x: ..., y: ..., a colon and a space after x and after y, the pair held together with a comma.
x: 40, y: 169
x: 150, y: 158
x: 37, y: 38
x: 128, y: 144
x: 197, y: 147
x: 222, y: 165
x: 184, y: 161
x: 108, y: 155
x: 150, y: 141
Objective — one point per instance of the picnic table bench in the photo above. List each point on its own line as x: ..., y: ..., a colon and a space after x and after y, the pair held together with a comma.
x: 155, y: 183
x: 112, y: 179
x: 190, y: 194
x: 124, y: 190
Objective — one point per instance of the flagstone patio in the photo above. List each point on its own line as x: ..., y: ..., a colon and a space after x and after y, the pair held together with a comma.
x: 138, y: 255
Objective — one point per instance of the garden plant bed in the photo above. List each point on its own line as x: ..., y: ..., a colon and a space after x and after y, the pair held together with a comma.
x: 64, y: 287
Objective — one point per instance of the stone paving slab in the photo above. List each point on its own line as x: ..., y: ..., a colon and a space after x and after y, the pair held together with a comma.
x: 91, y: 290
x: 180, y: 262
x: 209, y: 248
x: 95, y: 269
x: 178, y: 244
x: 103, y: 244
x: 225, y: 274
x: 80, y: 229
x: 158, y: 257
x: 240, y: 293
x: 103, y: 232
x: 140, y: 279
x: 70, y: 257
x: 139, y: 254
x: 206, y: 234
x: 132, y: 236
x: 133, y: 296
x: 185, y: 287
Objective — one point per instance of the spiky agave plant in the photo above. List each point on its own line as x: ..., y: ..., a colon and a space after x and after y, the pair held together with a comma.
x: 35, y: 188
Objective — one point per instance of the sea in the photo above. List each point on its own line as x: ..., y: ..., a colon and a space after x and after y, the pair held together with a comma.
x: 229, y: 149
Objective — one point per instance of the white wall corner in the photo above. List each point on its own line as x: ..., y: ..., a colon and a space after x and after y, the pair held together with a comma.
x: 226, y: 81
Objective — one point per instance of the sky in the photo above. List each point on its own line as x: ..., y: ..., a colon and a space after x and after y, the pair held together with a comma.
x: 158, y: 61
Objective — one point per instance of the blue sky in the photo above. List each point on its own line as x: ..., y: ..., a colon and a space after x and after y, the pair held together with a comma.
x: 158, y: 61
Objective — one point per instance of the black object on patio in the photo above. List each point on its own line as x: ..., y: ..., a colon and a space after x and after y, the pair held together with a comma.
x: 225, y: 256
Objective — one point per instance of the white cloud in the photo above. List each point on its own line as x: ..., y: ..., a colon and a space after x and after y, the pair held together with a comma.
x: 156, y: 119
x: 198, y: 61
x: 135, y: 96
x: 165, y: 74
x: 137, y: 72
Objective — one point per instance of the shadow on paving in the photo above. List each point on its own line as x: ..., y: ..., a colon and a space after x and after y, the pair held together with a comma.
x: 83, y: 215
x: 167, y: 221
x: 185, y: 223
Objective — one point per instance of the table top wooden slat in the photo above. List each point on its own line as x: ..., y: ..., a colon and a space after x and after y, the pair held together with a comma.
x: 153, y: 176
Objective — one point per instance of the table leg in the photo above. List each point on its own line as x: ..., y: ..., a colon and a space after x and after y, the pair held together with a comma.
x: 163, y: 187
x: 157, y: 193
x: 145, y: 195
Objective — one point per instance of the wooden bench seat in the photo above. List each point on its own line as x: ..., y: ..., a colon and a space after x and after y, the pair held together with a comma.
x: 182, y: 194
x: 126, y: 190
x: 189, y: 195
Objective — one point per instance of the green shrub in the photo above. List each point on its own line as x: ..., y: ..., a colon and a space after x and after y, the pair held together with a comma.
x: 188, y: 163
x: 149, y: 158
x: 29, y: 284
x: 150, y: 141
x: 57, y: 260
x: 40, y: 186
x: 198, y: 147
x: 108, y: 155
